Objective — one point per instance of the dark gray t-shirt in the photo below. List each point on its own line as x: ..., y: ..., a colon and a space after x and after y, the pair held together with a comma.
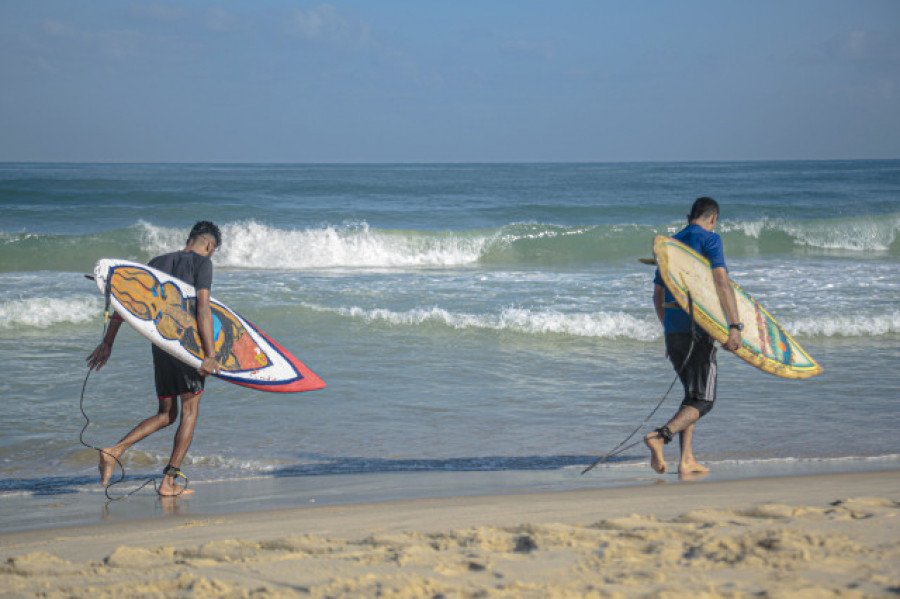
x: 190, y: 267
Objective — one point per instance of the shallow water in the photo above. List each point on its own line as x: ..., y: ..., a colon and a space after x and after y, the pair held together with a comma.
x: 465, y: 317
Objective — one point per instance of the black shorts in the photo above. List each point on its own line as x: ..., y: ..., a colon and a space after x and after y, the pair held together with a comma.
x: 696, y: 367
x: 174, y: 377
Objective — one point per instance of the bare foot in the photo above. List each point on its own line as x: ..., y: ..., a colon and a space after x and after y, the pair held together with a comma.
x: 691, y: 467
x: 655, y: 443
x: 168, y: 488
x: 107, y: 465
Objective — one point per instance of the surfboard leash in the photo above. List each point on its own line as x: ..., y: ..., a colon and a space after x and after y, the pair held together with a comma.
x: 87, y: 423
x: 619, y: 448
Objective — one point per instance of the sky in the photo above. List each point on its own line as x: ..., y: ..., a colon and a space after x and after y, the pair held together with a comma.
x: 423, y: 81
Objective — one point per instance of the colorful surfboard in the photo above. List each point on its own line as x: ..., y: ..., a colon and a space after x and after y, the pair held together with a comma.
x: 766, y: 344
x: 162, y: 309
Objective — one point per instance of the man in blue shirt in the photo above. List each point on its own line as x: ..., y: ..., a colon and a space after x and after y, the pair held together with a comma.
x: 690, y: 349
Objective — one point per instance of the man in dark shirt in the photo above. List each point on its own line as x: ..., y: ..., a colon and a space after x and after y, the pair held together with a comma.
x: 690, y: 349
x: 174, y: 379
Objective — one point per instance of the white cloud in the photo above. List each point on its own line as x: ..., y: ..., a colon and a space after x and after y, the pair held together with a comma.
x: 120, y: 44
x: 866, y: 46
x: 58, y: 29
x: 327, y: 24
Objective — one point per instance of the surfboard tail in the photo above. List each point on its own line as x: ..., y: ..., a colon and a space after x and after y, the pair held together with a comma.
x: 306, y: 380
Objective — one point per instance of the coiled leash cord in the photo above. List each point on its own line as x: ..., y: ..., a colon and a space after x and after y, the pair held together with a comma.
x: 87, y: 422
x: 618, y: 448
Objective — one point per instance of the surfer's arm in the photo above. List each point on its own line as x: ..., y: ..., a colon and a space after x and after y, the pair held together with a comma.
x: 101, y: 353
x: 729, y: 304
x: 205, y: 328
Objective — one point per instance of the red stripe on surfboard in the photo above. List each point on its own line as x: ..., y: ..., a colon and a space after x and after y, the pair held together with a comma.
x: 309, y: 380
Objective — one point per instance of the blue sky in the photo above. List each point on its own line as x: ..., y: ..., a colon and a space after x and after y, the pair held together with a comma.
x: 451, y: 81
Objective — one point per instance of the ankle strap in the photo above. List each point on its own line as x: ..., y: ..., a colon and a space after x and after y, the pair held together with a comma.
x: 666, y: 434
x: 172, y: 471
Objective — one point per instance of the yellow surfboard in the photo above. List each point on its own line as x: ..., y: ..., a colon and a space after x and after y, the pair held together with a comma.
x: 766, y: 345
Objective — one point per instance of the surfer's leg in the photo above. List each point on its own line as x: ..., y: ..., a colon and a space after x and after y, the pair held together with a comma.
x: 685, y: 418
x: 165, y: 415
x: 655, y: 441
x: 677, y: 347
x: 693, y: 411
x: 697, y: 370
x: 687, y: 464
x: 695, y: 362
x: 190, y: 404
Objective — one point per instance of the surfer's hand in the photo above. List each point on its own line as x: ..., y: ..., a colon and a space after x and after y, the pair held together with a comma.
x: 733, y: 342
x: 209, y: 366
x: 99, y: 356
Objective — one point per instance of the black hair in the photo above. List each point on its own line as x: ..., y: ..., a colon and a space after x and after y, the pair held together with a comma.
x: 703, y: 208
x: 205, y: 227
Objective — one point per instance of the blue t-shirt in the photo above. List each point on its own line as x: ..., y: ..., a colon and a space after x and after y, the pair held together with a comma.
x: 707, y: 244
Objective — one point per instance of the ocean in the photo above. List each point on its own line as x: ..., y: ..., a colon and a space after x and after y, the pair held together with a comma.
x: 466, y: 317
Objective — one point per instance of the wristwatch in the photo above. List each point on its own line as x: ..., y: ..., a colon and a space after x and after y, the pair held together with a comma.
x: 737, y: 325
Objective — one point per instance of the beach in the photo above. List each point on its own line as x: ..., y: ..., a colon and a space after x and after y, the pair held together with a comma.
x: 835, y: 535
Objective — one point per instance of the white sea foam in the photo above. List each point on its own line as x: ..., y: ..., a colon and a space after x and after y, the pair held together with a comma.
x: 159, y: 240
x: 847, y: 325
x: 199, y: 460
x: 600, y: 324
x: 255, y: 245
x: 251, y: 244
x: 44, y: 312
x: 605, y: 325
x: 853, y: 234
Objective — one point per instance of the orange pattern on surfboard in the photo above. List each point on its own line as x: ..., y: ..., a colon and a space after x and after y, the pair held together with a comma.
x: 142, y: 294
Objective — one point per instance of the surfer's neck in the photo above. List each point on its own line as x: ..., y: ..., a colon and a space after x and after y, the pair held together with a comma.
x: 204, y: 245
x: 708, y: 223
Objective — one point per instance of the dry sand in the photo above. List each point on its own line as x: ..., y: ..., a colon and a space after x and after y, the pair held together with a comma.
x: 818, y: 536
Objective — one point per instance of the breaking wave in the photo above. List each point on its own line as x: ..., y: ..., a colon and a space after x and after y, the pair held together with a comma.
x: 250, y: 244
x: 44, y: 312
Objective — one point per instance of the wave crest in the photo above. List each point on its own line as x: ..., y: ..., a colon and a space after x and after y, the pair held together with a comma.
x: 847, y: 326
x: 603, y: 325
x: 859, y: 234
x: 254, y: 245
x: 44, y: 312
x: 250, y: 244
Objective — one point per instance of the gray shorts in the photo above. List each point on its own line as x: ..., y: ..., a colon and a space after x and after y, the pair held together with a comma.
x: 696, y: 367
